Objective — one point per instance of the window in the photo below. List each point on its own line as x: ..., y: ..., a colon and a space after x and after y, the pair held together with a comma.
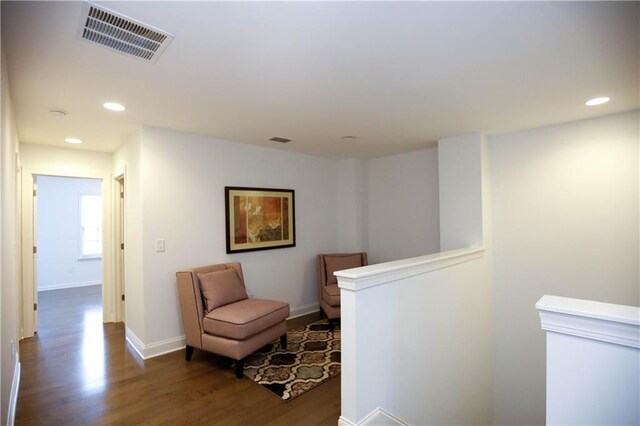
x: 90, y: 226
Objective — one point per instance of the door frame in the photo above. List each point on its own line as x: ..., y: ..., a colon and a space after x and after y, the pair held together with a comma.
x: 29, y: 292
x: 119, y: 214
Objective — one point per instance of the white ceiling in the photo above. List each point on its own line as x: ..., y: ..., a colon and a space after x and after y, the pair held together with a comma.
x: 399, y: 76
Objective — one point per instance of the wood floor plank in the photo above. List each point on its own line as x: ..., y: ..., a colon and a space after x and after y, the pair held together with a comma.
x: 77, y: 370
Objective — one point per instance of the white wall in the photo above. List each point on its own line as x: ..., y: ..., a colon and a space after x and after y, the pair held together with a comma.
x: 183, y: 182
x: 403, y: 216
x: 417, y: 332
x: 461, y: 206
x: 565, y: 222
x: 9, y: 249
x: 591, y: 382
x: 64, y: 161
x: 593, y: 361
x: 419, y: 347
x: 352, y: 193
x: 59, y: 263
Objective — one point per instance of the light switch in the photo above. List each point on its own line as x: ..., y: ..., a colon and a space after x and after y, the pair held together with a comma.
x: 160, y: 246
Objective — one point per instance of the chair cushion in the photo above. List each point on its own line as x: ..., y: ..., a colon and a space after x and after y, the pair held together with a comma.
x: 338, y: 263
x: 245, y: 318
x: 331, y: 294
x: 220, y: 288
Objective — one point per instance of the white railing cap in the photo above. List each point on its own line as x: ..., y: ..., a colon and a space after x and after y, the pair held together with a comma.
x: 373, y: 275
x: 590, y: 309
x: 605, y: 322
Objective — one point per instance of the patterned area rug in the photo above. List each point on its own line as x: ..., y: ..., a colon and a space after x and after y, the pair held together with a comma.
x: 312, y: 356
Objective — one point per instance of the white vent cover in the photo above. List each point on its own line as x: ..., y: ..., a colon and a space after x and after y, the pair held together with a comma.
x: 118, y: 32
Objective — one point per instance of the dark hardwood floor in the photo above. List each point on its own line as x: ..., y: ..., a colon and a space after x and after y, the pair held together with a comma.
x: 77, y: 370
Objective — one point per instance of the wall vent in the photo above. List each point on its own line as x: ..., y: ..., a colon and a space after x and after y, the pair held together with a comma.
x: 123, y: 34
x: 279, y: 139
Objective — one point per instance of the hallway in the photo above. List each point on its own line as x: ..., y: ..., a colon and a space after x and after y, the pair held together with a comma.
x: 77, y: 370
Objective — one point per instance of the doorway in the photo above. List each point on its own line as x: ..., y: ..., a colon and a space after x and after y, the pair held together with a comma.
x: 30, y: 256
x: 68, y: 235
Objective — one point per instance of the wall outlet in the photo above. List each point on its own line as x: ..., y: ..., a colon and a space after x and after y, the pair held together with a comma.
x: 13, y: 349
x: 160, y: 246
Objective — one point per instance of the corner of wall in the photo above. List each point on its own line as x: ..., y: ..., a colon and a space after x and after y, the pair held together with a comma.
x: 9, y: 249
x: 460, y: 173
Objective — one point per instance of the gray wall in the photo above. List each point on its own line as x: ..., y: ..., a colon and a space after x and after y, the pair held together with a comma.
x: 403, y: 212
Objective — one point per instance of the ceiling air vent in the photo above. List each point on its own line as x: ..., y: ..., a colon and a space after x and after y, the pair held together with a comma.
x: 121, y: 33
x: 279, y: 139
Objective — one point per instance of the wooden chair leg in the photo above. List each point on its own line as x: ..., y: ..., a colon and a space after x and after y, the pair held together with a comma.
x: 332, y: 324
x: 283, y: 341
x: 188, y: 353
x: 240, y: 368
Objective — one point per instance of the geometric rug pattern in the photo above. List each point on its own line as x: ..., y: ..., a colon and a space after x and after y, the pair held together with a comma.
x: 312, y: 356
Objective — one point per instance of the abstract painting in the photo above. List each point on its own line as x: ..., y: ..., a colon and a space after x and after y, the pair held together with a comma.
x: 259, y: 218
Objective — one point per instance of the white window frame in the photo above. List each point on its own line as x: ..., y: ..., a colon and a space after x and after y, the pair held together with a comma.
x: 81, y: 241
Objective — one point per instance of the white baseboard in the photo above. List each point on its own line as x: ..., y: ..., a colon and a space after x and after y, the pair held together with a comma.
x: 69, y: 285
x: 13, y: 396
x: 164, y: 347
x: 154, y: 349
x: 299, y: 311
x: 377, y: 417
x: 135, y: 343
x: 343, y: 421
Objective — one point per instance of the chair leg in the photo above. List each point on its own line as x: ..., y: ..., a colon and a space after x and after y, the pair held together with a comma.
x: 240, y: 368
x: 332, y: 324
x: 188, y: 353
x: 283, y: 341
x: 322, y: 314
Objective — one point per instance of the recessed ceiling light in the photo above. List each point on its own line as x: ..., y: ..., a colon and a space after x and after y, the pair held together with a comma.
x: 57, y: 113
x: 113, y: 106
x: 75, y: 141
x: 597, y: 101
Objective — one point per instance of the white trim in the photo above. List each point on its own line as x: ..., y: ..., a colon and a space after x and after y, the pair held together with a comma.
x: 298, y: 311
x: 118, y: 214
x: 155, y: 349
x: 343, y: 421
x: 90, y: 257
x: 135, y: 343
x: 307, y: 309
x: 357, y: 279
x: 13, y: 396
x: 69, y: 285
x: 377, y: 417
x: 605, y: 322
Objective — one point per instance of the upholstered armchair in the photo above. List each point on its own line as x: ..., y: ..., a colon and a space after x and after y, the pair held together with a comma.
x: 218, y: 316
x: 328, y: 283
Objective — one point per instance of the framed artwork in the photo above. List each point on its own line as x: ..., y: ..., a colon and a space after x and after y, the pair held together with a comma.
x: 259, y: 218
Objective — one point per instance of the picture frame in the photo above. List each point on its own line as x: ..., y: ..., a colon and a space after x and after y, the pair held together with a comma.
x: 259, y: 218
